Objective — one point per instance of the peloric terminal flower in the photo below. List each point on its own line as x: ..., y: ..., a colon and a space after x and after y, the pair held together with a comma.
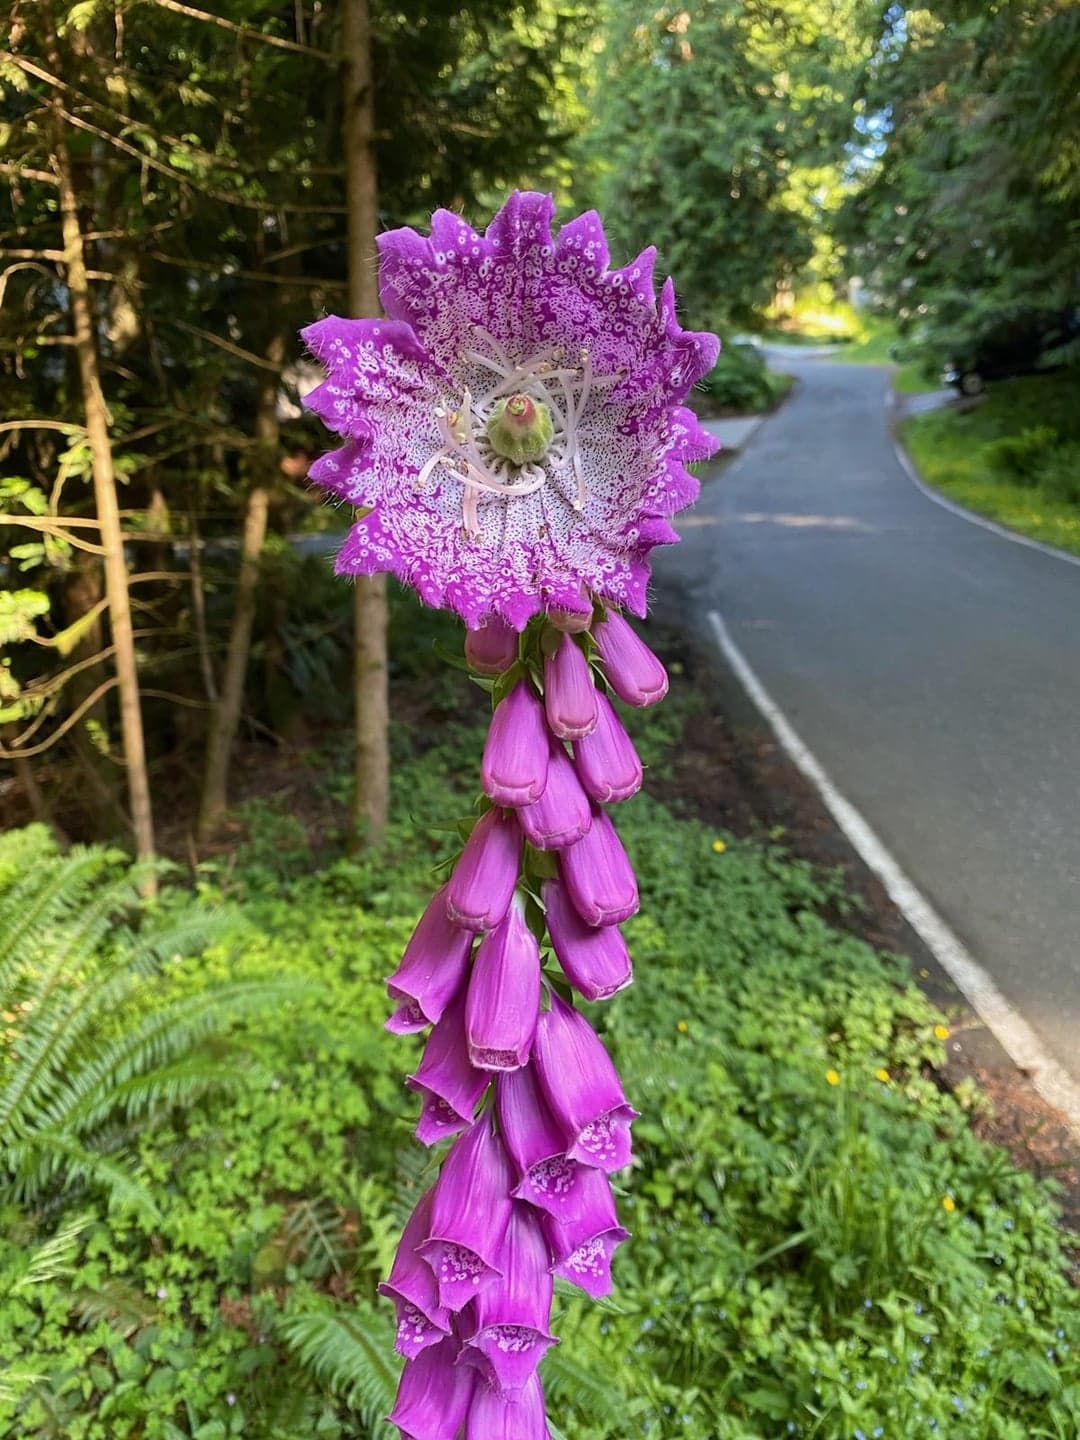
x: 514, y: 427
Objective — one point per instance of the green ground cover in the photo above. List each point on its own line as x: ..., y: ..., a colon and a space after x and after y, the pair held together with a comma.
x: 1014, y: 456
x: 821, y: 1247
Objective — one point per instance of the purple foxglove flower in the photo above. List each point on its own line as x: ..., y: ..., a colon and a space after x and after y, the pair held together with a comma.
x: 431, y: 970
x: 607, y: 763
x: 470, y: 1210
x: 537, y: 1146
x: 598, y: 876
x: 493, y: 1416
x: 504, y: 994
x: 478, y: 893
x: 442, y: 511
x: 450, y: 1086
x: 506, y: 1331
x: 434, y: 1394
x: 514, y: 770
x: 634, y: 672
x: 569, y: 692
x: 594, y: 958
x: 582, y: 1088
x: 583, y: 1247
x: 562, y: 815
x: 492, y: 648
x: 422, y: 1321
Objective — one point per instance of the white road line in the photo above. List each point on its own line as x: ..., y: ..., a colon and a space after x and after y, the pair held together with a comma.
x: 1002, y: 531
x: 1011, y: 1030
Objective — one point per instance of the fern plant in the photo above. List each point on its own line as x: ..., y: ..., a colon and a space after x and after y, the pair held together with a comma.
x: 93, y: 1044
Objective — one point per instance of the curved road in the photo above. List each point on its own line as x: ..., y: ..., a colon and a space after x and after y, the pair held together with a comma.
x: 931, y: 666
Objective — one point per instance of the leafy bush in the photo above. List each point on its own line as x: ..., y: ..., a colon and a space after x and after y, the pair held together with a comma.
x: 740, y: 380
x: 1022, y: 458
x: 1060, y: 474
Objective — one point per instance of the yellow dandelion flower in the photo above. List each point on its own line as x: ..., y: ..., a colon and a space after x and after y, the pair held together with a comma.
x: 719, y: 846
x: 948, y: 1203
x: 882, y: 1075
x: 832, y: 1077
x: 941, y: 1032
x: 682, y: 1027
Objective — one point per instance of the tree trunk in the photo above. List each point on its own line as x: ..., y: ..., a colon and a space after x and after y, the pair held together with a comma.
x: 108, y: 513
x: 226, y: 716
x: 371, y: 795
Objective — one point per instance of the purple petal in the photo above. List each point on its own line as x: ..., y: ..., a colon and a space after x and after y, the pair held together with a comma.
x: 582, y: 1088
x: 492, y: 647
x: 434, y: 1394
x: 537, y: 1146
x: 607, y: 763
x: 508, y: 1327
x: 504, y: 995
x: 514, y: 770
x: 634, y: 672
x: 422, y: 1321
x: 594, y: 958
x: 478, y: 895
x: 496, y: 1417
x: 583, y: 1246
x: 431, y: 970
x: 598, y: 875
x: 569, y: 692
x: 562, y: 814
x: 470, y: 1210
x: 450, y: 1086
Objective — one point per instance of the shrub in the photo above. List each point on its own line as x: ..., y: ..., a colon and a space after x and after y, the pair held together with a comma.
x: 1020, y: 459
x: 1060, y: 474
x: 739, y: 380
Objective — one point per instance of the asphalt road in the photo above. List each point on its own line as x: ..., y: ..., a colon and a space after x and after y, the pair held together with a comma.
x: 932, y: 667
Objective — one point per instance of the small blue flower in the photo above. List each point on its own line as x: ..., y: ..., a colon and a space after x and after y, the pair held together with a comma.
x: 958, y: 1404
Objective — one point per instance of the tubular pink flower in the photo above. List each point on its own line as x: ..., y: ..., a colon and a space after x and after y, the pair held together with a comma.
x: 514, y: 769
x: 434, y: 1394
x: 504, y: 995
x: 537, y: 1146
x: 607, y: 763
x: 470, y: 1210
x: 583, y: 1246
x: 594, y: 958
x: 431, y: 970
x: 475, y: 322
x: 479, y: 891
x: 492, y: 648
x: 448, y: 1083
x: 422, y: 1321
x: 582, y: 1088
x: 569, y: 692
x: 506, y: 1330
x: 562, y: 815
x: 598, y: 876
x: 493, y: 1416
x: 633, y: 671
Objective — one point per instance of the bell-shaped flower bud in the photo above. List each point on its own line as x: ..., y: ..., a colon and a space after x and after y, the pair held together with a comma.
x: 470, y: 1210
x: 537, y: 1146
x: 582, y: 1088
x: 434, y: 1394
x: 569, y: 692
x: 493, y: 1416
x: 607, y: 763
x: 562, y: 815
x: 634, y: 672
x: 422, y: 1321
x: 514, y: 769
x: 594, y: 958
x: 449, y: 1085
x: 504, y: 994
x: 598, y: 876
x: 506, y: 1331
x: 431, y: 970
x: 583, y: 1246
x: 493, y: 648
x: 479, y: 891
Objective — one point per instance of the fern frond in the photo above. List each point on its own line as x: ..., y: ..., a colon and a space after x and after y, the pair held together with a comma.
x: 315, y: 1227
x: 37, y: 1160
x: 55, y: 1257
x: 349, y: 1354
x: 49, y: 895
x: 15, y: 1383
x: 572, y: 1383
x: 116, y: 1303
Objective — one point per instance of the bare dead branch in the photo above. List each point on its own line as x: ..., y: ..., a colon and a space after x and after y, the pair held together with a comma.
x: 245, y: 33
x: 62, y: 729
x: 228, y: 346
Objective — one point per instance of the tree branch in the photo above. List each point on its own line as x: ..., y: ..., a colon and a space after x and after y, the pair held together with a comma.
x: 227, y: 345
x: 62, y: 729
x: 245, y: 33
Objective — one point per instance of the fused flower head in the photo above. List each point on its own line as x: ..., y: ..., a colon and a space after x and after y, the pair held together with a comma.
x: 514, y: 426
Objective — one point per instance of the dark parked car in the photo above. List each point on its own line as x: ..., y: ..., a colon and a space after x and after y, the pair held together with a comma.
x: 1017, y: 347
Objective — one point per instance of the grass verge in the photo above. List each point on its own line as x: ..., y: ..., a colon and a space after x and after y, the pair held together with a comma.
x: 952, y: 451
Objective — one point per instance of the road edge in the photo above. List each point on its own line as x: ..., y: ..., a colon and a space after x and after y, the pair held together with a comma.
x: 1008, y: 1027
